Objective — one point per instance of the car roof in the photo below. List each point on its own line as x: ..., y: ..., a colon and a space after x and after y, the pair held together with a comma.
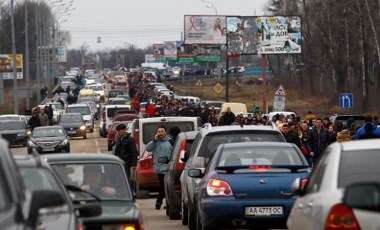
x: 82, y: 158
x: 77, y: 105
x: 214, y: 129
x: 259, y: 144
x: 30, y: 161
x: 360, y: 145
x: 189, y: 135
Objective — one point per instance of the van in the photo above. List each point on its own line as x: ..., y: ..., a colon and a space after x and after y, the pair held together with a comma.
x: 143, y: 131
x: 108, y: 113
x: 235, y: 107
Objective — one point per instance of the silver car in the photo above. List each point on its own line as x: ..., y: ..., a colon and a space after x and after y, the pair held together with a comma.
x: 320, y: 205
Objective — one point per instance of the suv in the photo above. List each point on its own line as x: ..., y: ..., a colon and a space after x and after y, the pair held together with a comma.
x: 85, y: 110
x: 20, y: 207
x: 205, y: 143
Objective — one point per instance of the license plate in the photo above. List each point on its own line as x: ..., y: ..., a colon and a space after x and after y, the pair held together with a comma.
x: 48, y: 149
x: 71, y: 132
x: 264, y: 211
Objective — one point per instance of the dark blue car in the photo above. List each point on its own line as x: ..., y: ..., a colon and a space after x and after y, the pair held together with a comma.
x: 247, y: 185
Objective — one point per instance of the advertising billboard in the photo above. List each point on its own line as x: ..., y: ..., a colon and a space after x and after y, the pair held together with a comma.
x: 242, y: 35
x: 279, y: 34
x: 201, y: 29
x: 170, y: 50
x: 158, y: 50
x: 6, y: 66
x: 199, y: 53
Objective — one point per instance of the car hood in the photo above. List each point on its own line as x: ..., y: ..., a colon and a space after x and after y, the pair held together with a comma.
x: 71, y: 125
x: 47, y: 139
x: 116, y: 211
x: 13, y: 131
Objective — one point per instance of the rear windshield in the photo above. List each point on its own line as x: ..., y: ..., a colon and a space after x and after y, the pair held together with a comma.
x: 122, y: 83
x: 84, y: 110
x: 96, y: 88
x: 150, y: 129
x: 212, y: 141
x: 71, y: 119
x: 359, y: 166
x: 246, y: 156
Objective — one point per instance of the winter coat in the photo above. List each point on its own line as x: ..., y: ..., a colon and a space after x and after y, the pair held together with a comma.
x: 319, y: 142
x: 160, y: 148
x: 228, y: 118
x: 371, y: 132
x: 126, y: 150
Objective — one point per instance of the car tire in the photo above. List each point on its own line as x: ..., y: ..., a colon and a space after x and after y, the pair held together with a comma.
x: 85, y: 136
x: 184, y: 214
x: 173, y: 215
x: 167, y: 208
x: 109, y: 147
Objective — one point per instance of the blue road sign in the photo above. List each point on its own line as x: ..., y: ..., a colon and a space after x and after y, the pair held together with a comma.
x: 346, y: 100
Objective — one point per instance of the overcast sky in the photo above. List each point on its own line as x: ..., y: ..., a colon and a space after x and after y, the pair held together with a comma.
x: 142, y: 22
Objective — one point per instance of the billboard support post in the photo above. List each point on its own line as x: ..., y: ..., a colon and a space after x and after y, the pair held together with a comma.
x: 227, y: 74
x: 15, y: 91
x: 264, y: 76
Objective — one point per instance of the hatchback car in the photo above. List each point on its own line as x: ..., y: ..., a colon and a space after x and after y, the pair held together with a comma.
x: 104, y: 176
x: 46, y: 139
x: 73, y: 124
x: 247, y: 185
x: 14, y: 131
x: 205, y: 143
x: 320, y: 205
x: 87, y: 115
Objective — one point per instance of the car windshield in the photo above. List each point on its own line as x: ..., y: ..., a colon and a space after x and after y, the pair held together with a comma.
x: 247, y: 156
x: 48, y: 133
x: 118, y: 102
x: 150, y: 129
x: 14, y: 125
x: 71, y: 119
x: 358, y: 166
x: 84, y: 110
x: 39, y: 178
x: 114, y: 93
x: 212, y: 141
x: 107, y: 181
x: 96, y: 88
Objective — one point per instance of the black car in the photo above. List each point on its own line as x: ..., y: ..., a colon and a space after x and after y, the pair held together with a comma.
x: 46, y: 139
x: 19, y: 207
x: 15, y: 132
x: 181, y: 148
x: 73, y: 124
x: 38, y: 175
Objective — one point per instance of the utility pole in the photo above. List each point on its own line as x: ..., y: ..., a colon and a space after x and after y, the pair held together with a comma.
x: 27, y: 74
x: 15, y: 90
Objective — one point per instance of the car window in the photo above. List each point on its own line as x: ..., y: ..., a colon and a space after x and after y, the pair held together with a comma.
x: 84, y: 110
x: 316, y: 177
x: 48, y: 133
x: 39, y: 178
x: 97, y: 176
x: 150, y: 129
x: 358, y: 166
x: 213, y: 140
x: 246, y: 156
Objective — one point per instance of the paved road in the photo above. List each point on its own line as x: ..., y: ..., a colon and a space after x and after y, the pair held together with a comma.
x: 154, y: 219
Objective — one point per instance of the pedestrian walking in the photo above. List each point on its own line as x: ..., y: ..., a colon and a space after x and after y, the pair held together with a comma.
x: 160, y: 146
x: 34, y: 121
x: 44, y: 119
x: 125, y: 148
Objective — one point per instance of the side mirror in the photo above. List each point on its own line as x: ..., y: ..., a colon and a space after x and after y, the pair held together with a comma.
x: 43, y: 199
x: 163, y: 160
x: 364, y: 196
x: 89, y: 210
x: 195, y: 173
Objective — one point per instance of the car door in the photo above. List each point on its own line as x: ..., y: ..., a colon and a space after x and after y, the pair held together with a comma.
x: 304, y: 212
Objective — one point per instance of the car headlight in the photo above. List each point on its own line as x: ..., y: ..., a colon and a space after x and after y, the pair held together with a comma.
x: 119, y: 227
x: 21, y: 134
x: 64, y: 142
x: 97, y: 105
x: 82, y: 127
x: 32, y: 144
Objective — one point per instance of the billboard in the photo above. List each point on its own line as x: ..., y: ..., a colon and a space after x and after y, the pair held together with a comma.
x: 170, y: 50
x: 279, y: 34
x: 158, y: 50
x: 199, y: 53
x: 242, y: 35
x: 201, y: 29
x: 61, y: 54
x: 6, y: 66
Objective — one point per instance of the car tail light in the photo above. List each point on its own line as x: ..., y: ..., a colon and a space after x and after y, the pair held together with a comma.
x: 217, y: 187
x: 260, y: 168
x: 341, y: 217
x: 303, y: 183
x: 180, y: 165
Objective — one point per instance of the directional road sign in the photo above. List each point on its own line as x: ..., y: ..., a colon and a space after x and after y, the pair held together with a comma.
x: 346, y: 100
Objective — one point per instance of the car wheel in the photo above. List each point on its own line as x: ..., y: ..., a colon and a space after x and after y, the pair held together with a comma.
x: 109, y: 147
x: 173, y: 215
x: 184, y: 214
x: 167, y: 208
x: 85, y: 136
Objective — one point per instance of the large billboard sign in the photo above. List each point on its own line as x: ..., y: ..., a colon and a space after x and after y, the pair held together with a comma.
x: 201, y: 29
x: 242, y: 35
x: 199, y: 53
x: 6, y: 66
x: 170, y: 50
x: 158, y: 50
x: 279, y: 34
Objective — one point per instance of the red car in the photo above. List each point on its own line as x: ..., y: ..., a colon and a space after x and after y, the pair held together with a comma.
x: 122, y: 118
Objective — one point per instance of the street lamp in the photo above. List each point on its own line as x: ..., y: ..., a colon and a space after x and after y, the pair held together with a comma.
x: 210, y: 6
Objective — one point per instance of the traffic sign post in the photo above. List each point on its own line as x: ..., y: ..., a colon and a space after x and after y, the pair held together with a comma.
x: 346, y: 100
x: 279, y: 99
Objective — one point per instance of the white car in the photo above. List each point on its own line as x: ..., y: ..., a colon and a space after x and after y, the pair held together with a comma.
x: 320, y: 204
x: 98, y: 90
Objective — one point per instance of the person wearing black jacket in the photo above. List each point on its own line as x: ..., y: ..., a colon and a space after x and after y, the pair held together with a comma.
x: 34, y: 121
x: 318, y: 140
x: 125, y: 148
x: 290, y: 136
